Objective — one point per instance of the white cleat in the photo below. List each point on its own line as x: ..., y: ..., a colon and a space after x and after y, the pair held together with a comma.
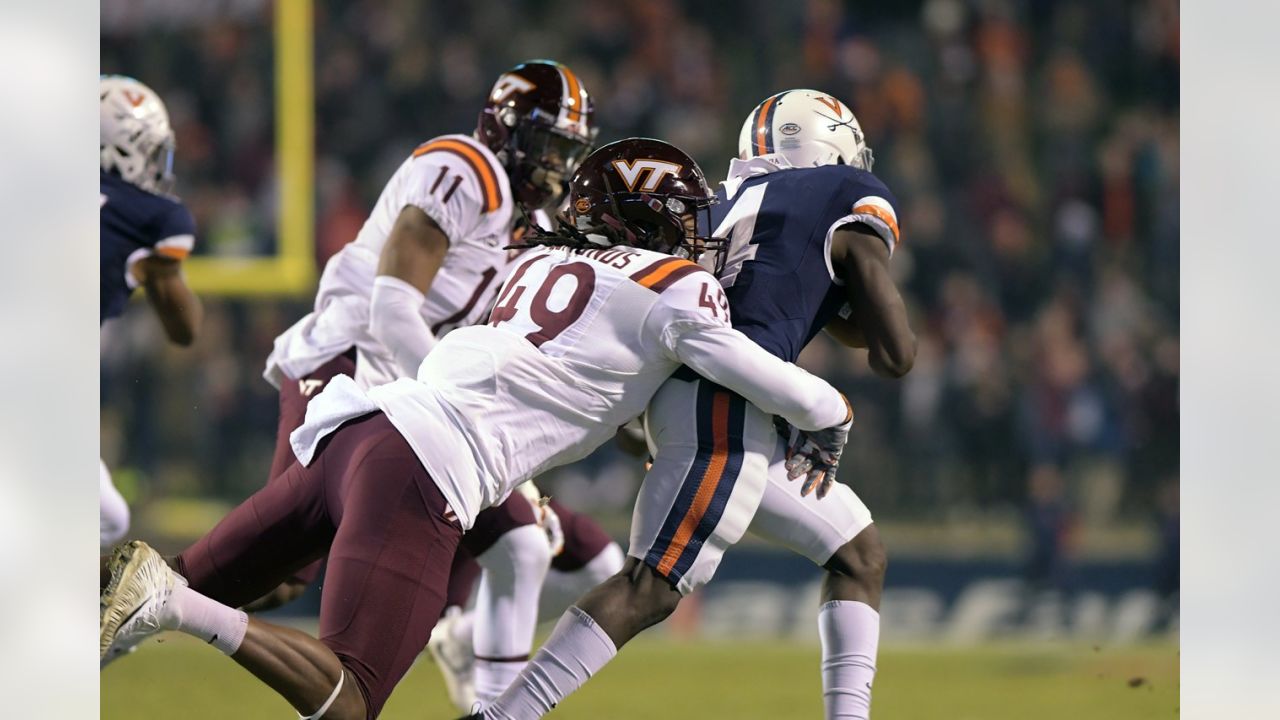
x: 132, y: 603
x: 456, y: 660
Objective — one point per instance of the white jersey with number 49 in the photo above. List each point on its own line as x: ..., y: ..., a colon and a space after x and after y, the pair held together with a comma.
x: 578, y: 343
x: 459, y: 184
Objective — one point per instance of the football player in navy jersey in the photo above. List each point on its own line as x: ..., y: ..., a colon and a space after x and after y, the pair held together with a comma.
x: 145, y: 234
x: 810, y: 231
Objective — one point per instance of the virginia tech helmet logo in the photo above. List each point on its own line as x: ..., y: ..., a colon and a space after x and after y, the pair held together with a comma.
x: 509, y: 84
x: 657, y: 171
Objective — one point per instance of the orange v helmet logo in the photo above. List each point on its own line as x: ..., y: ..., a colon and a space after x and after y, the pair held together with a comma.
x: 135, y: 98
x: 509, y: 84
x: 656, y: 169
x: 836, y: 106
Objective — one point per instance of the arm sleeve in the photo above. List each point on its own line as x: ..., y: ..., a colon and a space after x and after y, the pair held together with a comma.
x: 692, y: 324
x: 177, y: 234
x: 395, y: 321
x: 729, y: 358
x: 866, y: 200
x: 173, y: 232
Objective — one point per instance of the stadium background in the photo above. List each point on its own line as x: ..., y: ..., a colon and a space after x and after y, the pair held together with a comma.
x: 1025, y: 474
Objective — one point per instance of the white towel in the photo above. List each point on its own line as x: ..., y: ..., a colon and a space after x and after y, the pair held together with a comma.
x: 340, y: 401
x: 740, y: 170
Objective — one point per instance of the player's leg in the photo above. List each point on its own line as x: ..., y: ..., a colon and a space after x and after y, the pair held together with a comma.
x: 294, y: 396
x: 451, y: 640
x: 276, y: 531
x: 697, y: 500
x: 588, y: 558
x: 387, y: 569
x: 113, y: 511
x: 391, y: 555
x: 836, y: 533
x: 513, y: 552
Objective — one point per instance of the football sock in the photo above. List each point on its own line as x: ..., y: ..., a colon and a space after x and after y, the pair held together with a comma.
x: 113, y: 511
x: 190, y: 612
x: 576, y: 650
x: 494, y: 676
x: 850, y: 633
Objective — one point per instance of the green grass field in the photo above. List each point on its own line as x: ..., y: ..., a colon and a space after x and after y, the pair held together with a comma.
x: 655, y: 679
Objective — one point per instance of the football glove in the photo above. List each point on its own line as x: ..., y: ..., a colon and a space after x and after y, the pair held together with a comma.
x: 815, y: 455
x: 547, y: 519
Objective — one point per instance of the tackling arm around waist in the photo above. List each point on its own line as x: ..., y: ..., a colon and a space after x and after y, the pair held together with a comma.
x: 729, y: 358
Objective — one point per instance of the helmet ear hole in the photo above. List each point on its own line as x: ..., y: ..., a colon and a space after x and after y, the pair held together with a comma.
x: 507, y: 116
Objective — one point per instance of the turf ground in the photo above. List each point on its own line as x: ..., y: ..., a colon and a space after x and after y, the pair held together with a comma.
x: 656, y: 679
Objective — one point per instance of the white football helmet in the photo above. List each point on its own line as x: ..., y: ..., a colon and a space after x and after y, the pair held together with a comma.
x: 137, y: 141
x: 806, y: 127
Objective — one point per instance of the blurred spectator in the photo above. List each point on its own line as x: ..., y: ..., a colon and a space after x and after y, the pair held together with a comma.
x: 1049, y: 522
x: 1168, y: 579
x: 1033, y: 147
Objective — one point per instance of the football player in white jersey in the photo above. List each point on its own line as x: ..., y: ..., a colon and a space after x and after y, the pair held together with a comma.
x: 810, y: 234
x: 584, y: 333
x: 429, y: 259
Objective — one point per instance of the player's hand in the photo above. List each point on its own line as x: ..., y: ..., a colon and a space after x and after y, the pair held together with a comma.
x: 815, y: 456
x: 549, y: 521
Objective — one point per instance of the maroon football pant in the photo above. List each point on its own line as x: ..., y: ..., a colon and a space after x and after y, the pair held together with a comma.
x: 367, y: 502
x: 584, y: 539
x: 294, y: 396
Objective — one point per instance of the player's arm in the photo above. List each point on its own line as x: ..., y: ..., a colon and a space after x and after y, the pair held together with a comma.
x: 448, y: 191
x: 178, y: 308
x: 412, y: 256
x: 727, y: 357
x: 691, y: 323
x: 879, y: 313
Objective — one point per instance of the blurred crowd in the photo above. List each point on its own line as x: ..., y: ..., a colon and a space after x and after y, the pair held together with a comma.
x: 1032, y: 144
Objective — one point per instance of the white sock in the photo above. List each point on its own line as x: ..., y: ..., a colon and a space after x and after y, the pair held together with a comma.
x: 576, y: 650
x: 506, y: 612
x: 850, y: 633
x: 492, y: 677
x: 190, y: 612
x: 113, y: 511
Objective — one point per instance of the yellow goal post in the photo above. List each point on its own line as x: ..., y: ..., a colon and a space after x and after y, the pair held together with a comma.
x: 292, y: 270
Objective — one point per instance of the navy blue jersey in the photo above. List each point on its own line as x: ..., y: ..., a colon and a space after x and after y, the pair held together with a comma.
x: 136, y: 224
x: 778, y: 277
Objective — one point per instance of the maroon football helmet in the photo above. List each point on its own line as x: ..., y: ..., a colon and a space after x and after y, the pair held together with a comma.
x: 644, y: 193
x: 538, y: 121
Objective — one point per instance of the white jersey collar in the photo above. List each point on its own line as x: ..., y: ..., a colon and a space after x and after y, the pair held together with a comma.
x: 740, y: 170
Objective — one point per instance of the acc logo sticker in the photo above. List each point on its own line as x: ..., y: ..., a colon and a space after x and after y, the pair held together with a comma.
x: 582, y: 205
x: 789, y: 129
